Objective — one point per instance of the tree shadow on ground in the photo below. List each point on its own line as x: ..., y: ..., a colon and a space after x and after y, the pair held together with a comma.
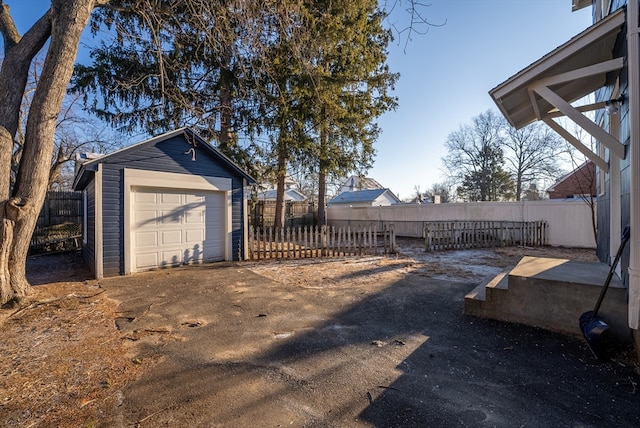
x: 57, y: 267
x: 402, y: 356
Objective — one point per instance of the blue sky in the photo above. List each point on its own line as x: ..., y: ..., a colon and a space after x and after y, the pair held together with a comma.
x: 446, y: 74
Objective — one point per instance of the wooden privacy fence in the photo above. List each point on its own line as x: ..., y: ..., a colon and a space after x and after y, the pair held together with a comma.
x: 452, y: 235
x: 325, y: 241
x: 59, y: 226
x: 61, y: 207
x: 296, y: 213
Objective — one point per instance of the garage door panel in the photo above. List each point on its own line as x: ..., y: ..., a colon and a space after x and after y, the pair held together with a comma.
x: 171, y: 198
x: 171, y: 237
x: 195, y: 217
x: 193, y: 255
x: 215, y: 252
x: 145, y: 218
x: 195, y: 198
x: 194, y: 236
x: 182, y: 227
x: 146, y: 239
x: 145, y: 197
x: 171, y: 258
x: 147, y: 260
x: 171, y: 217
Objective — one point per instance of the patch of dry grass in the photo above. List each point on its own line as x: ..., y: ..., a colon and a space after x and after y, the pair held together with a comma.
x: 62, y: 361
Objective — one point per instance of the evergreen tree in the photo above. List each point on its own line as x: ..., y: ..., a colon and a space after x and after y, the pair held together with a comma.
x: 351, y: 85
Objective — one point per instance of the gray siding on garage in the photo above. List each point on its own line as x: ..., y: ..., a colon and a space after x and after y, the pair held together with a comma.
x: 165, y: 156
x: 88, y: 248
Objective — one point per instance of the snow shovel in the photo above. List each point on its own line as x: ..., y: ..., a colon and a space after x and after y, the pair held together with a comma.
x: 593, y: 327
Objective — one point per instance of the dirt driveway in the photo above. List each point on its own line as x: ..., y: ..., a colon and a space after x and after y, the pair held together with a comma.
x: 364, y: 342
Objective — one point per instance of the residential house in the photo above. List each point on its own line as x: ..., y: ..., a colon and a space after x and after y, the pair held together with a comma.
x: 291, y: 192
x: 365, y: 198
x: 602, y: 61
x: 581, y: 182
x: 356, y: 182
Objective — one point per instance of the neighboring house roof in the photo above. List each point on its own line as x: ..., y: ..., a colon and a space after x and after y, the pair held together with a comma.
x: 580, y: 181
x: 87, y: 169
x: 355, y: 183
x: 364, y: 197
x: 289, y: 195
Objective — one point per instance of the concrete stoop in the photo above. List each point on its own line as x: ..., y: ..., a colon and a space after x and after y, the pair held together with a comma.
x: 551, y: 294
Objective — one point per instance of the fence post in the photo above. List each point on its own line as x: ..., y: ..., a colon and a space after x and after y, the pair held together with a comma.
x: 250, y: 249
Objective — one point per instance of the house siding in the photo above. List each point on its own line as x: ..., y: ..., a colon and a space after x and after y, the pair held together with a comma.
x: 88, y: 248
x: 604, y: 249
x: 165, y: 156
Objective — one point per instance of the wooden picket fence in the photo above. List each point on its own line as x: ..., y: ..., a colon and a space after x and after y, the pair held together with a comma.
x: 453, y: 235
x: 325, y: 241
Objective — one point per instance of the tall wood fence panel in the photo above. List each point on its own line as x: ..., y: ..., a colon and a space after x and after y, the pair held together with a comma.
x: 312, y: 241
x: 454, y: 235
x: 263, y: 214
x: 59, y: 225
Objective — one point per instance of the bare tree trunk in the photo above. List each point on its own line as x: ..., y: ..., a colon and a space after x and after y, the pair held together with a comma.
x: 20, y: 211
x: 519, y: 186
x: 282, y: 174
x: 322, y: 178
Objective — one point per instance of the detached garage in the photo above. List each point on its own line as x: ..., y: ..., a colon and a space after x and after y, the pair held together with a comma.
x: 167, y: 201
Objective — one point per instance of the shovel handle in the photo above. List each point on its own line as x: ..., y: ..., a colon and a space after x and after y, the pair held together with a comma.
x: 626, y: 234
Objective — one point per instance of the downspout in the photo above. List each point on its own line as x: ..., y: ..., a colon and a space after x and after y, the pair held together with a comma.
x: 633, y: 64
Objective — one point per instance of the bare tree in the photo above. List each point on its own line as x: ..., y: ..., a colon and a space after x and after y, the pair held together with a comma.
x: 476, y: 161
x: 441, y: 190
x: 75, y: 132
x: 531, y: 153
x: 585, y: 180
x: 61, y: 26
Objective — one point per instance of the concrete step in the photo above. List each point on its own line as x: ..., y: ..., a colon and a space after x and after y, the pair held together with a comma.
x: 475, y: 302
x: 551, y: 294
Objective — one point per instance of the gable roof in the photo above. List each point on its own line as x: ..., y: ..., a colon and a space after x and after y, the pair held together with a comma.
x: 355, y: 183
x: 360, y: 196
x: 289, y: 195
x: 571, y: 180
x: 87, y: 169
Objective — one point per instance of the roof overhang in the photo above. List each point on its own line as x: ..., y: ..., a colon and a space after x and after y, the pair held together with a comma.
x: 546, y: 88
x: 579, y: 4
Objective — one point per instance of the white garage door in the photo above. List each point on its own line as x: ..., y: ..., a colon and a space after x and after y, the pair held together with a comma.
x: 172, y: 227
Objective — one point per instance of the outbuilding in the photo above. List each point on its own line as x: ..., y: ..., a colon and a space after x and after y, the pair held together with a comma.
x: 167, y: 201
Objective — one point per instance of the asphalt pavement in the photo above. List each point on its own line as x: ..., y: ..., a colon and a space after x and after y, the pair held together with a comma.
x: 236, y: 349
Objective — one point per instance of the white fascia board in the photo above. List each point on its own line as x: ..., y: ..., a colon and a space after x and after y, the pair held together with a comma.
x: 560, y: 54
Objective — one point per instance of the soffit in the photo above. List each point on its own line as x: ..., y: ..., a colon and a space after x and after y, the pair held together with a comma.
x: 521, y: 105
